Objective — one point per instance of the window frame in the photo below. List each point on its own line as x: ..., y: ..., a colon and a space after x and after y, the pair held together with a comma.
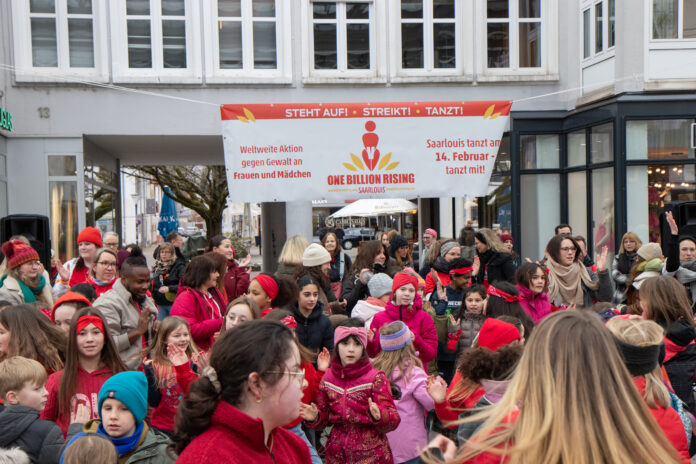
x: 464, y: 38
x: 157, y: 74
x: 216, y: 75
x: 678, y: 42
x: 377, y: 73
x: 548, y: 71
x: 25, y: 71
x: 607, y: 51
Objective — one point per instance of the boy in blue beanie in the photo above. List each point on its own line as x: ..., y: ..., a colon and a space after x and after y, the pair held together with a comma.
x: 122, y: 408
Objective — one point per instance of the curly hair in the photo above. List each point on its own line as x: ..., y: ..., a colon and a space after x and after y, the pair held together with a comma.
x: 480, y: 363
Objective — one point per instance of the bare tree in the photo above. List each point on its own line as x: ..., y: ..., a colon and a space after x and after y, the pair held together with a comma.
x: 201, y: 188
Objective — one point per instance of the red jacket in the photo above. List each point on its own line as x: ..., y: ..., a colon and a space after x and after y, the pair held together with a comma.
x: 420, y: 323
x: 449, y: 411
x: 235, y: 437
x: 342, y: 401
x: 86, y: 392
x: 190, y: 305
x: 309, y: 394
x: 236, y: 280
x: 430, y: 282
x: 171, y: 394
x: 669, y: 421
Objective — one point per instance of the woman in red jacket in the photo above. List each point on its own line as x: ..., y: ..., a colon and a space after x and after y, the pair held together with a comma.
x: 236, y: 411
x: 199, y: 301
x: 91, y: 359
x: 237, y: 277
x: 544, y: 416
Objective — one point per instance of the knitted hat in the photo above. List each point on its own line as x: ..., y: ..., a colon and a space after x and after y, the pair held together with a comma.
x: 18, y: 253
x: 397, y: 340
x: 91, y: 235
x: 496, y: 333
x: 432, y: 232
x: 397, y: 242
x: 315, y: 255
x: 401, y: 279
x: 121, y: 256
x: 505, y: 237
x: 650, y: 251
x: 447, y: 246
x: 130, y: 388
x: 379, y: 285
x: 68, y: 297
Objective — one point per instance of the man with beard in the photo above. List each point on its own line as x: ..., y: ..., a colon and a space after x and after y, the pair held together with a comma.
x: 128, y: 311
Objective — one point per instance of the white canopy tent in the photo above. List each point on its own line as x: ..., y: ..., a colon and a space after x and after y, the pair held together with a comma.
x: 376, y: 207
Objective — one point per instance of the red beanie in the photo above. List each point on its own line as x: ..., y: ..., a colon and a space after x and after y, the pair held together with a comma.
x: 505, y: 237
x: 91, y: 235
x: 18, y: 253
x: 68, y: 297
x: 496, y: 333
x: 403, y: 278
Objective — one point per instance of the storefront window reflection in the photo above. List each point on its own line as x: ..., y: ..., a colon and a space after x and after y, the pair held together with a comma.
x: 495, y: 209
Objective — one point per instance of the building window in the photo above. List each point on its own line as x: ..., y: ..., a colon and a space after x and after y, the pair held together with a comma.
x: 577, y: 152
x: 428, y: 34
x: 342, y: 36
x: 540, y: 211
x: 603, y: 211
x: 247, y: 39
x: 157, y: 40
x: 514, y: 33
x: 58, y: 35
x: 599, y: 27
x: 673, y: 19
x: 101, y: 197
x: 602, y: 143
x: 661, y: 139
x: 577, y: 201
x: 539, y: 151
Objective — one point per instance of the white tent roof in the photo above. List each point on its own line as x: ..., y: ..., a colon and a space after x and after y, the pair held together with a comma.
x: 376, y: 207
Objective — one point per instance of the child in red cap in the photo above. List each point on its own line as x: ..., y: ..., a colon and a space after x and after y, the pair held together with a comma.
x: 77, y: 269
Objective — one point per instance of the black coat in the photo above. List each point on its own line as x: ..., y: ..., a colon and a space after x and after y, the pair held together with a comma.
x: 170, y: 280
x: 681, y: 367
x: 334, y: 274
x: 499, y: 266
x: 314, y: 332
x: 353, y: 291
x: 42, y: 440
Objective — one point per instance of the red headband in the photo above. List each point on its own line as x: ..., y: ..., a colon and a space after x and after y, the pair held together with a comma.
x: 84, y: 321
x: 289, y: 321
x: 269, y: 285
x: 501, y: 294
x: 462, y: 270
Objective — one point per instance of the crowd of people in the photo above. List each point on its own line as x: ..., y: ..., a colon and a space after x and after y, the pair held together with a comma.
x: 332, y: 359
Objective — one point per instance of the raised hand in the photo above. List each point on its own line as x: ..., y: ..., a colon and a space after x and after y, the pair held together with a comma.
x: 323, y: 359
x: 374, y: 410
x: 62, y: 272
x: 176, y: 355
x: 80, y: 415
x: 309, y: 412
x: 673, y: 227
x: 454, y: 321
x: 436, y: 388
x: 477, y: 266
x: 602, y: 259
x: 370, y: 335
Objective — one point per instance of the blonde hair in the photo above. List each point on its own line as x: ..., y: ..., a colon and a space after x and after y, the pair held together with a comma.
x: 633, y: 236
x: 405, y: 358
x: 292, y: 250
x: 17, y: 371
x: 641, y: 332
x: 570, y: 357
x: 158, y: 348
x: 493, y: 242
x: 90, y: 448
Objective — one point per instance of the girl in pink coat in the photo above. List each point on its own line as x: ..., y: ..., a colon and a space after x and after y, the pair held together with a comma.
x: 356, y: 399
x: 402, y: 367
x: 405, y: 305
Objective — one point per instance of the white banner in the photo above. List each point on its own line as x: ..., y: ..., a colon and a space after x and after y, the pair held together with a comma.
x: 340, y: 151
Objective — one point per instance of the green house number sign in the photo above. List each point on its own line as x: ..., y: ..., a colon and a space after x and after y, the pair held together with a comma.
x: 5, y: 120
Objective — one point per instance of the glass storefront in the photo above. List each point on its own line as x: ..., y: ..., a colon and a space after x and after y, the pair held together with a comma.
x: 101, y: 197
x: 63, y: 195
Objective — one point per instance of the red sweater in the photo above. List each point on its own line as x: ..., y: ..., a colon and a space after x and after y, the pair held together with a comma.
x: 448, y: 410
x: 309, y: 394
x: 430, y: 282
x: 191, y: 305
x: 86, y: 392
x: 170, y: 395
x: 234, y: 436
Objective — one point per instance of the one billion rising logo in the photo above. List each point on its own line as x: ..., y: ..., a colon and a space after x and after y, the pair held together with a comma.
x: 370, y: 154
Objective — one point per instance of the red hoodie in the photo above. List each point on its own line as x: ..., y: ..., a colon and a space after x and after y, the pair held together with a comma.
x: 449, y: 411
x: 236, y: 280
x: 171, y: 394
x: 191, y: 305
x: 86, y: 392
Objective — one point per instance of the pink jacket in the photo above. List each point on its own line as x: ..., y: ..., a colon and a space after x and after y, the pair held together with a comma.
x: 420, y: 323
x: 411, y: 436
x: 538, y: 307
x: 342, y: 401
x: 190, y: 305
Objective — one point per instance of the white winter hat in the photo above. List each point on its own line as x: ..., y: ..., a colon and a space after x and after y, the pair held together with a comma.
x: 315, y: 255
x: 379, y: 285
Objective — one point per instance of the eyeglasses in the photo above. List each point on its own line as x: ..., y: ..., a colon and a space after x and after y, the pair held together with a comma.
x: 107, y: 264
x: 567, y: 249
x: 300, y: 375
x: 35, y: 264
x: 111, y: 244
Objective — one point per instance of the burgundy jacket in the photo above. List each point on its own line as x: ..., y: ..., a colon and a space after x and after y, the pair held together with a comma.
x: 234, y: 436
x: 342, y: 401
x: 190, y: 305
x: 236, y: 280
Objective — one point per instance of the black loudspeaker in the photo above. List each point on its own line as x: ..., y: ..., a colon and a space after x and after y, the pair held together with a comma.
x: 34, y: 228
x: 684, y: 213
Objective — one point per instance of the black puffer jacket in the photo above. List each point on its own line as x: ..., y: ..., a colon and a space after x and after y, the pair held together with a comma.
x: 42, y: 440
x: 499, y: 266
x: 680, y: 360
x: 314, y: 332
